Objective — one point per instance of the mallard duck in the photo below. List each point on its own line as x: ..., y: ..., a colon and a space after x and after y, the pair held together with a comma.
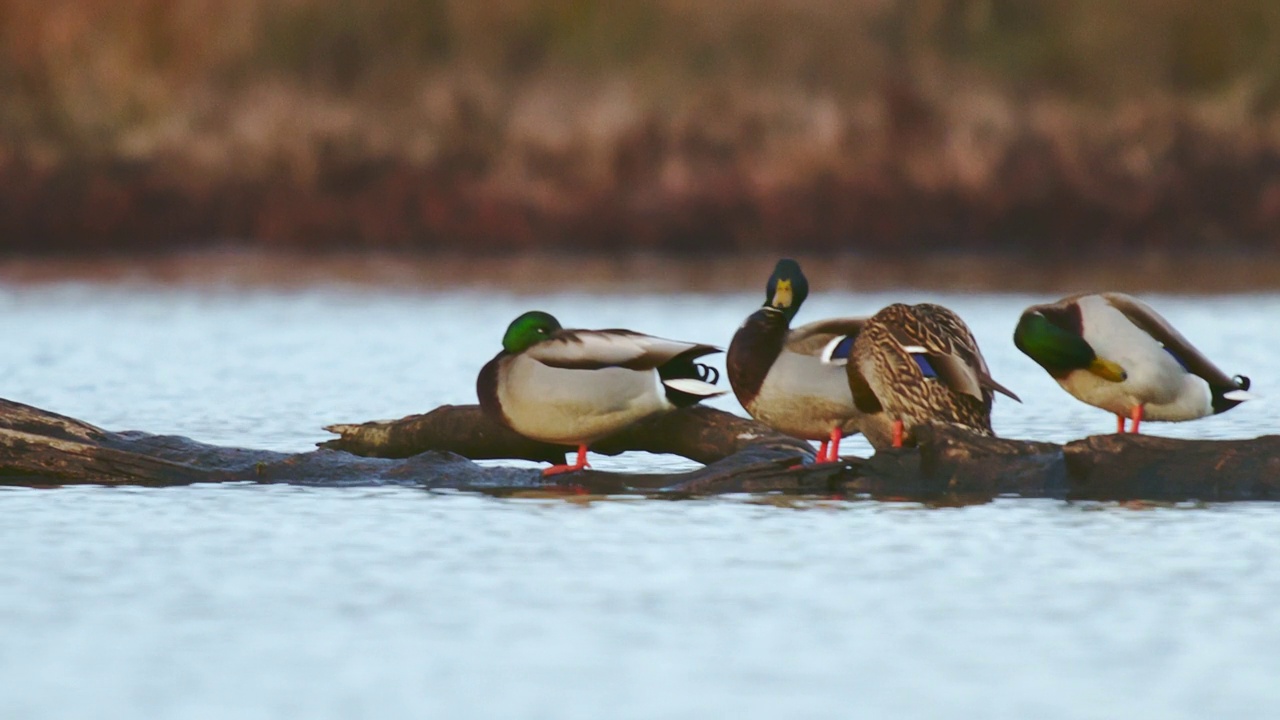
x: 573, y: 387
x: 915, y: 364
x: 794, y: 379
x: 1114, y: 352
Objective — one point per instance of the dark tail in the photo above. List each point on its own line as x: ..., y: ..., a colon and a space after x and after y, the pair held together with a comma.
x: 683, y: 367
x: 1221, y: 401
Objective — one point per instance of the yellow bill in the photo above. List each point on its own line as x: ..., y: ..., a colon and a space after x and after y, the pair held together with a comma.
x: 782, y: 294
x: 1108, y: 370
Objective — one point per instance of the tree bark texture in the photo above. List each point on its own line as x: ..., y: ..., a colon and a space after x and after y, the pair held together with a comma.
x: 436, y: 451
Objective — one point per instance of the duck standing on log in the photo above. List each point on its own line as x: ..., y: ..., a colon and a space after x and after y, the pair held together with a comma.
x: 793, y: 380
x: 917, y: 364
x: 1114, y: 352
x: 573, y: 387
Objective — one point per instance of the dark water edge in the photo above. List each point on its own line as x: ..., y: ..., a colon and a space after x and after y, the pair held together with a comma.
x: 1202, y: 272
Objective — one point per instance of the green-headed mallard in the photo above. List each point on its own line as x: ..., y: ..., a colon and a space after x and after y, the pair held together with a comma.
x: 1114, y: 352
x: 573, y: 387
x: 915, y: 364
x: 794, y: 380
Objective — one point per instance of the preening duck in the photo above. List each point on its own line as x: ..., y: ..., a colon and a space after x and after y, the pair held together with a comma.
x: 794, y: 379
x: 915, y: 364
x: 1114, y: 352
x: 574, y: 387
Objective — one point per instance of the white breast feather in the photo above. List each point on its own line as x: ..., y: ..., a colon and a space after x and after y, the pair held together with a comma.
x: 577, y: 406
x: 1155, y: 378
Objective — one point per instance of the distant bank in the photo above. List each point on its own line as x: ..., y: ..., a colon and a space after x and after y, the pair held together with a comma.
x: 889, y: 127
x: 1208, y: 195
x: 628, y: 272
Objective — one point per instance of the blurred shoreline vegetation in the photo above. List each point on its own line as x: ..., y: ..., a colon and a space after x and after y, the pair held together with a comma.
x: 1032, y: 126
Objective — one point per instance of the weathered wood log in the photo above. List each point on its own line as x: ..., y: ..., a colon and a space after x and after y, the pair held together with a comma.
x: 463, y: 429
x: 38, y: 447
x: 952, y: 462
x: 701, y: 434
x: 950, y: 465
x: 1120, y: 467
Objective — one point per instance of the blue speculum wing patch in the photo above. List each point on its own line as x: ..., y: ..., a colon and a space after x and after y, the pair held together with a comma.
x: 1175, y: 357
x: 843, y: 350
x: 925, y: 367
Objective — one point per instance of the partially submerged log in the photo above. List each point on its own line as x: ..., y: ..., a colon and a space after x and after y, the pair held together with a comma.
x: 1119, y: 467
x: 39, y: 448
x: 699, y: 433
x: 952, y: 462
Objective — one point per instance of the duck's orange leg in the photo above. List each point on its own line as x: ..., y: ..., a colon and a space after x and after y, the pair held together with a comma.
x: 836, y: 435
x: 822, y: 452
x: 580, y: 464
x: 897, y: 433
x: 1119, y: 424
x: 1136, y: 414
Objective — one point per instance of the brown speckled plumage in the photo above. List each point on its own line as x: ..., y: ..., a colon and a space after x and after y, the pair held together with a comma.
x: 889, y: 384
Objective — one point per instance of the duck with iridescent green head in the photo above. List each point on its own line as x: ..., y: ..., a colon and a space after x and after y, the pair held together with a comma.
x: 574, y: 387
x: 1115, y: 352
x: 793, y: 379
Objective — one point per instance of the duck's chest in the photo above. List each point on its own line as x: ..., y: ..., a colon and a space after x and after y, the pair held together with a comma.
x: 753, y: 352
x: 1179, y: 396
x: 1154, y: 376
x: 805, y: 397
x: 572, y: 406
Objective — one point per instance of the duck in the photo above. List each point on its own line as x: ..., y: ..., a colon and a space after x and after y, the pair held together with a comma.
x: 916, y: 364
x: 793, y: 379
x: 1114, y: 352
x: 574, y: 387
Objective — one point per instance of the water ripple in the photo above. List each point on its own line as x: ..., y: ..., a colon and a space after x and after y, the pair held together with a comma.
x: 269, y: 601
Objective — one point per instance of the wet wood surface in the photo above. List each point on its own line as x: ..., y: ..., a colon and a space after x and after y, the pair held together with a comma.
x: 436, y: 451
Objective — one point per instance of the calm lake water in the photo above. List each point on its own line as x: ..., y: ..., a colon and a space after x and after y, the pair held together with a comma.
x: 253, y: 601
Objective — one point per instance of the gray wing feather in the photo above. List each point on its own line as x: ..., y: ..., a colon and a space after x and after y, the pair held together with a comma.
x: 594, y: 349
x: 812, y: 339
x: 1142, y: 315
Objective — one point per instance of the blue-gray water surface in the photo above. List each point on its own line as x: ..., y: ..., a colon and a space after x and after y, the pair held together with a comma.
x: 252, y: 601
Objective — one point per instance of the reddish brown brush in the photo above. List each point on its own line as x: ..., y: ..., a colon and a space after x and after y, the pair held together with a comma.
x: 876, y: 125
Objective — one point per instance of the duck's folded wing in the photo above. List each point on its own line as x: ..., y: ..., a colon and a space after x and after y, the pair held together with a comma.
x: 951, y: 352
x: 1142, y: 315
x: 816, y: 338
x: 955, y: 372
x: 864, y: 397
x: 595, y: 349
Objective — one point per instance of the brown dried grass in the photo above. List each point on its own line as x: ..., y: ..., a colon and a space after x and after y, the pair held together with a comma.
x: 874, y: 125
